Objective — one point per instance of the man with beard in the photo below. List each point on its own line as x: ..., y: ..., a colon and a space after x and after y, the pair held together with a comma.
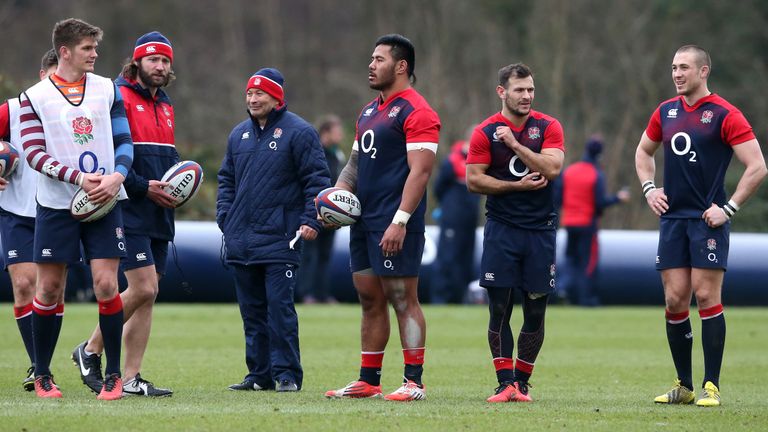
x: 147, y: 214
x: 513, y: 157
x: 700, y: 132
x: 389, y: 167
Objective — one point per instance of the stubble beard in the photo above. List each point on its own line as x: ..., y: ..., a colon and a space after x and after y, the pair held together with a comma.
x: 386, y: 82
x: 514, y: 111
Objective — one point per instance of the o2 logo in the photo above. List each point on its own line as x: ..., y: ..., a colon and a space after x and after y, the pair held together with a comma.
x: 513, y: 169
x: 681, y: 145
x: 89, y: 163
x: 366, y: 143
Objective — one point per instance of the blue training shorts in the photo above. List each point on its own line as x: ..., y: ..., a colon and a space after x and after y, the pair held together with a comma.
x: 692, y: 243
x: 365, y: 252
x: 58, y: 236
x: 518, y: 258
x: 18, y: 236
x: 143, y: 251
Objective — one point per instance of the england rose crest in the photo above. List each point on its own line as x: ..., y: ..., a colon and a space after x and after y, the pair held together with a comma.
x: 711, y: 244
x: 82, y: 129
x: 278, y: 133
x: 393, y: 112
x: 706, y: 116
x: 534, y: 133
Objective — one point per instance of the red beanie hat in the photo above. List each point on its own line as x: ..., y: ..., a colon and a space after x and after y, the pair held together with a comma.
x: 152, y: 43
x: 270, y: 81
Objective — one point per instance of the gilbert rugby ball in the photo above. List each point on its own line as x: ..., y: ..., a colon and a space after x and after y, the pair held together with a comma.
x: 185, y: 179
x: 338, y: 206
x: 82, y: 209
x: 9, y: 159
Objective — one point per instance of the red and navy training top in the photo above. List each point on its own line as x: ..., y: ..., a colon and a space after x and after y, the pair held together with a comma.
x: 383, y: 135
x: 526, y: 209
x: 697, y: 144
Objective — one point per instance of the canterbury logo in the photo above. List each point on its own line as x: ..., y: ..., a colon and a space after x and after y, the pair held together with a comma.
x: 47, y: 252
x: 141, y: 256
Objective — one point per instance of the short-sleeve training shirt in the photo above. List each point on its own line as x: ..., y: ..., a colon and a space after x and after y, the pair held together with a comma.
x: 385, y: 132
x: 528, y: 209
x: 697, y: 144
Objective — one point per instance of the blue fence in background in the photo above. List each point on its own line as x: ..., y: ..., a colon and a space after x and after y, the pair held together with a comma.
x: 626, y: 274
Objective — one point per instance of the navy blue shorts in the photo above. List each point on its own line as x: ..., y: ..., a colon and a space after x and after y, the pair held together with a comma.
x: 365, y: 253
x: 58, y: 236
x: 692, y: 243
x: 18, y: 236
x: 143, y: 251
x: 518, y: 258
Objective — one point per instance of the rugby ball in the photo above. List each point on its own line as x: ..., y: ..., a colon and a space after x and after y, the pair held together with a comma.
x: 82, y: 209
x: 9, y: 159
x: 185, y: 179
x: 338, y: 206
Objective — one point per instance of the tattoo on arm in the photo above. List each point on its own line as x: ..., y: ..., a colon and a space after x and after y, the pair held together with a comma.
x: 349, y: 173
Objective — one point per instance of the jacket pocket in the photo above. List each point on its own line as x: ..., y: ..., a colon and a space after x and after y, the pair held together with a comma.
x: 268, y: 221
x: 292, y: 220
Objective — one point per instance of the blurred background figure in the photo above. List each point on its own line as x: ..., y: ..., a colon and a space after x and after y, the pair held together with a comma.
x: 581, y: 190
x: 314, y: 274
x: 457, y: 216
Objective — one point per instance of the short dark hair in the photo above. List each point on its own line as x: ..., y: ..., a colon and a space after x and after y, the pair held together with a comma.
x: 49, y: 60
x: 702, y: 56
x: 518, y: 70
x: 327, y: 123
x: 401, y: 49
x: 72, y: 31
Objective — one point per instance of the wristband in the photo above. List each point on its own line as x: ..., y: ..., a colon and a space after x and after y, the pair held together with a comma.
x: 730, y: 209
x: 648, y: 186
x: 401, y: 218
x: 79, y: 179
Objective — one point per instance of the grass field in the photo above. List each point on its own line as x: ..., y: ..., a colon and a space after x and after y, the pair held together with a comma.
x: 599, y: 370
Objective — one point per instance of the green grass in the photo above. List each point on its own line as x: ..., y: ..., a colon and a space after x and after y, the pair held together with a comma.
x: 599, y: 370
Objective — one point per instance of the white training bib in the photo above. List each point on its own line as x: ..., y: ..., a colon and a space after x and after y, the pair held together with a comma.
x: 19, y: 195
x: 79, y: 136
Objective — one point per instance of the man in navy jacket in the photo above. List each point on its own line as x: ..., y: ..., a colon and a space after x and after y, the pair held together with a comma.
x: 272, y: 171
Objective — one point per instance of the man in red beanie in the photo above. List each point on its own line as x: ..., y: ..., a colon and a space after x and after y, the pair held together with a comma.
x: 272, y: 171
x: 148, y: 214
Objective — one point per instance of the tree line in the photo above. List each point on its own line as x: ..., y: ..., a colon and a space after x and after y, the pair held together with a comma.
x: 600, y: 67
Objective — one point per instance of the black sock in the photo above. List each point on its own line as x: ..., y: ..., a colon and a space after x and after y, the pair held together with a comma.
x: 713, y: 342
x: 111, y: 323
x: 43, y: 326
x: 505, y: 375
x: 413, y: 372
x: 680, y: 340
x: 25, y: 329
x: 57, y: 327
x: 371, y: 375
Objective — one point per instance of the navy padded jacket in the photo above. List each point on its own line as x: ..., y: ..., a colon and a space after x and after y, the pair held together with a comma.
x: 267, y: 185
